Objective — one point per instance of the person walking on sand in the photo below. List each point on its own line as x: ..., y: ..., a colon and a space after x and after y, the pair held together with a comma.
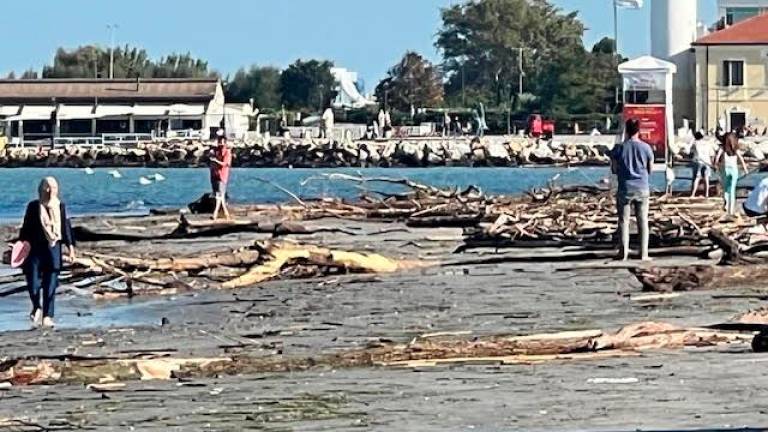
x: 728, y: 159
x: 221, y: 161
x: 632, y: 162
x: 46, y: 229
x: 702, y: 153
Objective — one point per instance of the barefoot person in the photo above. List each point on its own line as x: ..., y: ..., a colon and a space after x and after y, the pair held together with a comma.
x: 728, y: 160
x: 632, y: 162
x: 46, y: 229
x: 221, y: 161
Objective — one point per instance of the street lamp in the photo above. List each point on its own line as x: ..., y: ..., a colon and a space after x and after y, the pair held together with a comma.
x: 112, y: 28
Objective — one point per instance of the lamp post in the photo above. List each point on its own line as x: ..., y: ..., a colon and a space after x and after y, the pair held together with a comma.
x: 111, y: 28
x: 616, y: 48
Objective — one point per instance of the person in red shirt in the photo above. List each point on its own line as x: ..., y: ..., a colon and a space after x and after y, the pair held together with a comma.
x: 221, y: 161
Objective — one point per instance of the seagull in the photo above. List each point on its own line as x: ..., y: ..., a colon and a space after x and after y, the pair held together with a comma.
x: 157, y: 177
x: 144, y: 181
x: 115, y: 174
x: 88, y: 170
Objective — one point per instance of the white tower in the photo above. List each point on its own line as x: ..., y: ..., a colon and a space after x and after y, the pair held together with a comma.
x: 673, y: 29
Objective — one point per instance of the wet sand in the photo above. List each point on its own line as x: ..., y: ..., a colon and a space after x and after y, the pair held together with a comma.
x: 689, y: 389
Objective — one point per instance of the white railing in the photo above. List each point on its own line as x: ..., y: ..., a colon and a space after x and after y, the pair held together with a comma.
x: 184, y: 133
x: 76, y: 141
x: 118, y: 139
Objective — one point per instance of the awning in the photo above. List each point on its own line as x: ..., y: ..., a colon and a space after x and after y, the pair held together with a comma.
x: 186, y: 110
x: 9, y: 110
x: 150, y: 110
x: 113, y: 110
x: 75, y: 112
x: 33, y: 112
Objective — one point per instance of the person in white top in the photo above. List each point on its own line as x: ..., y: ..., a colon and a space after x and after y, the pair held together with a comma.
x: 701, y: 153
x: 757, y: 201
x: 326, y: 126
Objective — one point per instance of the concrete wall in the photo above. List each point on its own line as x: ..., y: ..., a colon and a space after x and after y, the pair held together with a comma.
x: 714, y: 101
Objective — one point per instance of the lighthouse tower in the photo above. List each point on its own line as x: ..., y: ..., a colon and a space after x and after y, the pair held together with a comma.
x: 673, y: 29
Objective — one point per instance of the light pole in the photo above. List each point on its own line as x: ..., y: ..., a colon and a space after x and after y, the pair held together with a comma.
x: 463, y: 90
x: 616, y: 48
x: 112, y: 28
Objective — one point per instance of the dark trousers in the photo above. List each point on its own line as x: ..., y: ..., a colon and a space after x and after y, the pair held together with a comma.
x: 41, y: 279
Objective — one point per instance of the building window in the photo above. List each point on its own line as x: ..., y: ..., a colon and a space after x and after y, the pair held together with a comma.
x: 733, y: 73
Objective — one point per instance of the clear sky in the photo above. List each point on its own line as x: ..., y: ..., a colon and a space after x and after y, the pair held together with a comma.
x: 363, y: 35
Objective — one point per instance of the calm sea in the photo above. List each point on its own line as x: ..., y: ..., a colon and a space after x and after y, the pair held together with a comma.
x: 100, y: 192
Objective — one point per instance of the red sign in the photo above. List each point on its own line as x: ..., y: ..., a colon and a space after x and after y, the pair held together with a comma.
x: 653, y: 125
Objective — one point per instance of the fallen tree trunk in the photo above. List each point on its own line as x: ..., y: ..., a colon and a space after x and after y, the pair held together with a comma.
x: 205, y: 229
x: 421, y: 352
x: 701, y: 277
x: 240, y: 258
x: 280, y: 255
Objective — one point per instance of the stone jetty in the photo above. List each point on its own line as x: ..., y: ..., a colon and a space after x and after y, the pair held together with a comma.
x: 312, y: 153
x: 491, y: 151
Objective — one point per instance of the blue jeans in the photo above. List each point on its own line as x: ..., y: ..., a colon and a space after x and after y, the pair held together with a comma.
x: 41, y: 277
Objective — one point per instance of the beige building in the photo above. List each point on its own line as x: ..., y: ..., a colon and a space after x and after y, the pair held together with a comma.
x: 78, y: 109
x: 732, y: 76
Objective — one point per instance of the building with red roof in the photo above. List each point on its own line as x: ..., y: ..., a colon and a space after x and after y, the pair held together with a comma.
x: 732, y: 76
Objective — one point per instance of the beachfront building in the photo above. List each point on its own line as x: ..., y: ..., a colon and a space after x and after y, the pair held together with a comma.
x: 732, y: 76
x: 734, y: 11
x: 347, y: 93
x: 117, y: 109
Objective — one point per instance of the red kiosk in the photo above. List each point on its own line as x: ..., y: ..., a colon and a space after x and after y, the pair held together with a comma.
x: 647, y: 96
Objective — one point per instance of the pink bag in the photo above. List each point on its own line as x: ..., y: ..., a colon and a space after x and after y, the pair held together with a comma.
x: 19, y: 253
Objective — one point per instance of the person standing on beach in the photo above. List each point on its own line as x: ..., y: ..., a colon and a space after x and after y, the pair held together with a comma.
x: 221, y: 161
x: 47, y: 229
x: 632, y: 162
x: 728, y: 159
x: 382, y: 119
x: 702, y: 153
x: 326, y: 125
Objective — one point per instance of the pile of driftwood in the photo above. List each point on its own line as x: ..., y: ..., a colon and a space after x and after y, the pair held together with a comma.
x: 106, y: 276
x: 108, y: 373
x: 585, y: 218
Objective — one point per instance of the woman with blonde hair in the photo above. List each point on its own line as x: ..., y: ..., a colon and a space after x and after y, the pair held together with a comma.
x: 46, y: 229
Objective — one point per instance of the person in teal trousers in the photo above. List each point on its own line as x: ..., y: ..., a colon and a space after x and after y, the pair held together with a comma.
x: 727, y: 161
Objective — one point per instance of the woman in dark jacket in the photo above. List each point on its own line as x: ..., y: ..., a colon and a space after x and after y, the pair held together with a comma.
x: 46, y: 228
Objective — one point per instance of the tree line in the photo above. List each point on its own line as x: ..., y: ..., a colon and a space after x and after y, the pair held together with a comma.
x: 514, y: 55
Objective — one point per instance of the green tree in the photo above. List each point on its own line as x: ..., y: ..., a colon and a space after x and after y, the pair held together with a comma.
x: 181, y: 66
x: 29, y: 74
x: 482, y: 42
x: 414, y: 81
x: 82, y: 62
x: 262, y: 84
x: 91, y: 61
x: 604, y: 65
x: 308, y: 85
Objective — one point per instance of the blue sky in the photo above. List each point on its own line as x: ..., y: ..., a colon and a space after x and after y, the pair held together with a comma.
x: 363, y: 35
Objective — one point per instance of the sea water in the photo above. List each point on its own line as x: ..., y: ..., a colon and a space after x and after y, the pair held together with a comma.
x: 139, y: 189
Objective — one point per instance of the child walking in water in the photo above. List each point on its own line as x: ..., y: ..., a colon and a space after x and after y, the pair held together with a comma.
x: 727, y: 160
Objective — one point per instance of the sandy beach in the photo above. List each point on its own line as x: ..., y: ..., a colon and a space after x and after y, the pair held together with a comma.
x: 314, y: 317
